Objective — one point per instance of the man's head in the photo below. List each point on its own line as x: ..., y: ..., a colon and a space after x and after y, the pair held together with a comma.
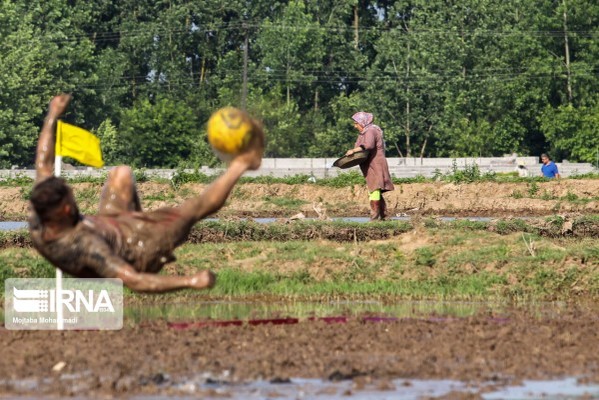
x: 545, y: 158
x: 53, y: 199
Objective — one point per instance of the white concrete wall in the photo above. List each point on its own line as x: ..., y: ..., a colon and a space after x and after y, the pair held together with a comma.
x: 323, y: 167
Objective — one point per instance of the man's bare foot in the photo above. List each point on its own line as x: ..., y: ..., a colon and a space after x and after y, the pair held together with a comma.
x: 203, y: 280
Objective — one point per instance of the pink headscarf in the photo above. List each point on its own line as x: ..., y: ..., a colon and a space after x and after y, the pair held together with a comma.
x: 363, y: 118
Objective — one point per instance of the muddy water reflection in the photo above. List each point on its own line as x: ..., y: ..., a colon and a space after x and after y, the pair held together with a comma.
x: 246, y: 311
x: 15, y: 225
x: 12, y: 225
x: 404, y: 389
x: 397, y: 389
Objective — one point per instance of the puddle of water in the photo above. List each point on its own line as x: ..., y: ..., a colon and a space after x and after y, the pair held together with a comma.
x: 175, y: 312
x: 398, y: 389
x: 12, y: 225
x: 206, y: 385
x: 317, y: 389
x: 412, y: 389
x: 233, y: 312
x: 554, y: 389
x: 15, y: 225
x: 224, y: 313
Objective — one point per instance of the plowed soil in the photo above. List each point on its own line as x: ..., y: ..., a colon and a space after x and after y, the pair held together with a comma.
x: 155, y: 358
x: 282, y: 200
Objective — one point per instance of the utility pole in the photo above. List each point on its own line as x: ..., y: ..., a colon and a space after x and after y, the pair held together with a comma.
x: 408, y: 131
x: 244, y: 87
x: 567, y: 50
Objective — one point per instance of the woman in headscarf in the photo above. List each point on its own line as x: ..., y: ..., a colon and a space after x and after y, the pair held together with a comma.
x: 375, y: 169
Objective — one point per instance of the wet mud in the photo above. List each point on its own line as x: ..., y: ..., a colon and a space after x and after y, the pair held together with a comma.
x: 157, y: 357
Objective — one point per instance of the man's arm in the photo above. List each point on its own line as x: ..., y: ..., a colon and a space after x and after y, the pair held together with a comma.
x: 99, y: 257
x: 44, y: 158
x: 143, y: 282
x: 215, y: 195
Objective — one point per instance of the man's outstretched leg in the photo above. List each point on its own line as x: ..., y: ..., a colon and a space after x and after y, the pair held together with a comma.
x: 119, y: 193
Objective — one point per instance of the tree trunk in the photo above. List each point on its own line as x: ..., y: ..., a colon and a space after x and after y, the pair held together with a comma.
x: 356, y: 25
x: 244, y: 87
x: 408, y: 133
x: 430, y: 128
x: 398, y: 150
x: 422, y: 149
x: 288, y: 69
x: 567, y: 55
x: 202, y: 72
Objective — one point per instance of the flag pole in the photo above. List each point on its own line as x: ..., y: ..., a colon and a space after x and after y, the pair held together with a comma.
x: 59, y: 315
x: 83, y: 146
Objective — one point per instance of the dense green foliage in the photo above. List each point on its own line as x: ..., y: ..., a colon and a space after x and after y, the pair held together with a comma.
x: 474, y: 78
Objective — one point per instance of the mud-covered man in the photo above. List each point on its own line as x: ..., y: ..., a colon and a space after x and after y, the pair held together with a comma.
x: 121, y: 241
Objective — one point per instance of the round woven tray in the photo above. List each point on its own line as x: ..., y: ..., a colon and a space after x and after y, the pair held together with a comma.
x: 351, y: 161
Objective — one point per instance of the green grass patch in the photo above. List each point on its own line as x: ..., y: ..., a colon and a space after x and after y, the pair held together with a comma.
x: 18, y: 180
x: 233, y: 283
x: 23, y: 263
x: 162, y: 196
x: 460, y: 261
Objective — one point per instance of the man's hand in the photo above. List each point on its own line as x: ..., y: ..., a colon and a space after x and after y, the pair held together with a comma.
x: 44, y: 158
x: 251, y: 157
x: 202, y: 280
x: 59, y: 104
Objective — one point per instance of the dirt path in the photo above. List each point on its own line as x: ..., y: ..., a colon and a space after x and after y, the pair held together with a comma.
x: 153, y: 358
x: 281, y: 200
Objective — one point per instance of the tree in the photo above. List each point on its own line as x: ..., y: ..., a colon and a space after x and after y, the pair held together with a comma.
x: 42, y: 52
x: 164, y: 133
x: 572, y: 132
x: 291, y: 50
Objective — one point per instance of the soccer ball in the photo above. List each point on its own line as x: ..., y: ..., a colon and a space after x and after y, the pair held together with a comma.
x: 229, y: 132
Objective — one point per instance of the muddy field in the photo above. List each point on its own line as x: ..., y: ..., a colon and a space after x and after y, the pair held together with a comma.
x: 488, y: 350
x: 155, y: 358
x: 282, y: 200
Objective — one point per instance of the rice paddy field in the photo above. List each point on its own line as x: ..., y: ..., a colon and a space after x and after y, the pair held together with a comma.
x: 469, y: 290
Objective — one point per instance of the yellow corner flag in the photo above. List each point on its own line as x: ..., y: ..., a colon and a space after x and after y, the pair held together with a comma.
x: 77, y: 143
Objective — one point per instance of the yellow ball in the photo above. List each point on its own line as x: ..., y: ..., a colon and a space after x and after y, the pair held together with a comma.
x: 229, y: 132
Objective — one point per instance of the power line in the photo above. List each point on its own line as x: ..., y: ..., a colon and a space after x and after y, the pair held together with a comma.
x: 412, y: 83
x: 110, y: 36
